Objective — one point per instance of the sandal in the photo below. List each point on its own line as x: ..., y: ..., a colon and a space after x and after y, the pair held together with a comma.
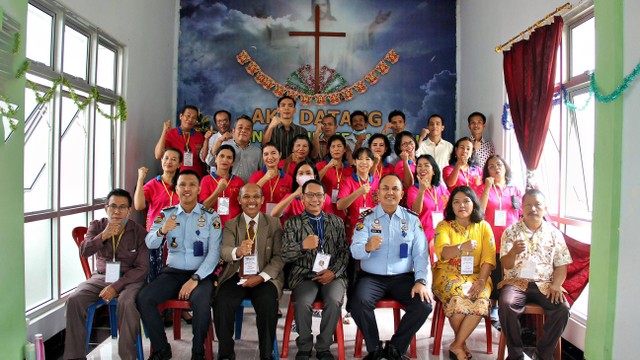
x: 347, y: 319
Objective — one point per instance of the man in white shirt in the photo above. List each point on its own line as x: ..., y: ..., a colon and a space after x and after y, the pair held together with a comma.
x: 435, y: 145
x: 222, y: 118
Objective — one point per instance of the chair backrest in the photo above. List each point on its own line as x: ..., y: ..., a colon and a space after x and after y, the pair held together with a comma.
x: 78, y: 234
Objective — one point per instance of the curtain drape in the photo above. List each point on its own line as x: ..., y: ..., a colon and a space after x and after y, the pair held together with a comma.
x: 529, y: 72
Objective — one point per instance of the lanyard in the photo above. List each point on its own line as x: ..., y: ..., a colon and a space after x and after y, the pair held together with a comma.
x: 530, y: 242
x: 170, y: 193
x: 339, y: 176
x: 433, y: 196
x: 360, y: 182
x: 273, y: 188
x: 116, y: 244
x: 187, y: 138
x: 255, y: 233
x: 318, y: 229
x: 465, y: 176
x: 498, y: 194
x: 214, y: 179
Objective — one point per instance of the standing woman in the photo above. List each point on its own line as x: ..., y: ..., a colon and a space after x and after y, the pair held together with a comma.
x: 158, y: 193
x: 300, y: 150
x: 466, y: 256
x: 427, y: 197
x: 220, y: 189
x: 292, y: 204
x: 381, y: 149
x: 501, y: 204
x: 462, y: 169
x: 275, y: 183
x: 405, y: 147
x: 334, y: 169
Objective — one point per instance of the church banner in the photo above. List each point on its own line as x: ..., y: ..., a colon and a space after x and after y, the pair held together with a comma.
x: 369, y: 55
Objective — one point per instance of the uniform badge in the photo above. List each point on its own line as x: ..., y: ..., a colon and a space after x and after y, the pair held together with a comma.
x: 359, y: 227
x: 174, y: 244
x: 158, y: 219
x: 201, y: 224
x: 216, y: 224
x: 201, y: 219
x: 420, y: 226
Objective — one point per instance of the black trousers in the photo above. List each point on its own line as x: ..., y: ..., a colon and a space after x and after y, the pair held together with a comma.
x: 370, y: 289
x: 264, y: 298
x: 165, y: 287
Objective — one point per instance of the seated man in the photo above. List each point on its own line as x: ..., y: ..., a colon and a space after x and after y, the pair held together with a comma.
x: 534, y: 257
x: 314, y: 241
x: 122, y: 265
x: 251, y: 246
x: 392, y: 248
x: 192, y: 233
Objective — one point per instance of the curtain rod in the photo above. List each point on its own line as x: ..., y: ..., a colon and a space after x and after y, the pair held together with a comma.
x: 506, y: 46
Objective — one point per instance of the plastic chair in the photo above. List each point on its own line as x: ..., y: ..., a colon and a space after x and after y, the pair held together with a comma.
x: 317, y: 305
x: 78, y: 234
x: 386, y: 304
x: 240, y: 317
x: 177, y: 306
x: 537, y: 312
x: 437, y: 327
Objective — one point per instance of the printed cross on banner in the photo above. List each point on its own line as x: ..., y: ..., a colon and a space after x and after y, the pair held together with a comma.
x: 317, y: 34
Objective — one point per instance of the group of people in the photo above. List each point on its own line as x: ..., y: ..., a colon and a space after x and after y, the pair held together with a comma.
x: 389, y: 215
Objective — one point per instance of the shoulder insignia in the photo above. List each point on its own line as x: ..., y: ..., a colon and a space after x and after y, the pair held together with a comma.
x: 208, y: 209
x: 159, y: 218
x: 412, y: 212
x: 169, y: 208
x: 365, y: 213
x: 420, y: 225
x: 216, y: 224
x: 359, y: 226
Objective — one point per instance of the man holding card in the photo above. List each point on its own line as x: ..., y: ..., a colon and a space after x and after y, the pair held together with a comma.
x: 192, y: 234
x: 535, y: 259
x: 314, y: 242
x: 392, y: 248
x: 251, y: 246
x: 121, y: 267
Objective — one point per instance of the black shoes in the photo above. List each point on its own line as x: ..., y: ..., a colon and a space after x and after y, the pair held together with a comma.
x: 376, y: 354
x: 391, y: 352
x: 303, y: 355
x: 164, y: 354
x: 324, y: 355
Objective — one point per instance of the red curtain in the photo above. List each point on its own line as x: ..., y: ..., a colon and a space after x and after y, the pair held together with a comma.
x: 529, y: 72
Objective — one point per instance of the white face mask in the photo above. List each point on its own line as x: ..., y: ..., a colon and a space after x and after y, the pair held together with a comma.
x: 303, y: 179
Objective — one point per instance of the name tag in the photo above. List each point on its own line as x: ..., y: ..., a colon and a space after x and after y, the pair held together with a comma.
x: 528, y: 270
x: 466, y: 265
x: 334, y: 196
x: 112, y: 272
x: 270, y: 207
x: 500, y: 218
x: 321, y: 262
x: 250, y: 266
x: 436, y: 217
x: 362, y: 209
x: 404, y: 250
x: 187, y: 159
x: 198, y: 248
x: 223, y: 206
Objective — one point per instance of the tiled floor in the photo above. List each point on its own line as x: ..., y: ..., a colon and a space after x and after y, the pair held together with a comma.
x: 247, y: 348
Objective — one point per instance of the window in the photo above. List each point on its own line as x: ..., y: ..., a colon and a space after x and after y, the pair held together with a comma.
x: 70, y: 151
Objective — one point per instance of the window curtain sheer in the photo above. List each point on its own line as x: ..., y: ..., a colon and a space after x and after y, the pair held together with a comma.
x: 529, y: 72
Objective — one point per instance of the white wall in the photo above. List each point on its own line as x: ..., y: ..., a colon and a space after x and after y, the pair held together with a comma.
x: 482, y: 26
x: 625, y: 343
x: 148, y: 29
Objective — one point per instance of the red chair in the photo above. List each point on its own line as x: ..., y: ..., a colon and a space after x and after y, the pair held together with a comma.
x: 178, y: 306
x: 317, y: 305
x: 386, y: 304
x: 537, y: 312
x: 437, y: 326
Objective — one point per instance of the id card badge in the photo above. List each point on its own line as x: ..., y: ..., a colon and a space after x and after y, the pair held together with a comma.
x: 187, y: 159
x: 466, y: 265
x: 270, y: 207
x: 404, y: 250
x: 198, y: 248
x: 436, y: 217
x: 466, y: 287
x: 112, y: 272
x: 500, y: 218
x: 528, y: 270
x: 250, y: 265
x: 321, y: 262
x: 223, y: 206
x: 362, y: 209
x: 334, y: 196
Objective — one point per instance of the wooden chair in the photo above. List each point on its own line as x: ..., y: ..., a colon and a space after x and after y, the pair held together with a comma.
x: 537, y: 312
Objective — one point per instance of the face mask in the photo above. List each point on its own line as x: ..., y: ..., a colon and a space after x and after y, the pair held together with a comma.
x: 303, y: 179
x: 359, y: 132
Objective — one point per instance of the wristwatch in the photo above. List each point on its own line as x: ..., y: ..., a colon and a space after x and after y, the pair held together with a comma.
x: 195, y: 277
x: 421, y: 281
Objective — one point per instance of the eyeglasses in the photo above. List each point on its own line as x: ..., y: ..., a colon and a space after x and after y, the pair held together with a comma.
x: 408, y: 143
x: 310, y: 196
x: 114, y: 207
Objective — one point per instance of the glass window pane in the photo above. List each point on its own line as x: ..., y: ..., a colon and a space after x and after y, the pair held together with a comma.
x: 37, y: 154
x: 583, y: 47
x: 580, y: 158
x: 71, y: 273
x: 39, y: 35
x: 106, y: 75
x: 103, y: 161
x: 76, y: 53
x: 549, y: 166
x: 37, y: 263
x: 74, y: 154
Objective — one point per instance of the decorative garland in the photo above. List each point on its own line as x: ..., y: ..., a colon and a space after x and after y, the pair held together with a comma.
x: 594, y: 91
x: 333, y: 86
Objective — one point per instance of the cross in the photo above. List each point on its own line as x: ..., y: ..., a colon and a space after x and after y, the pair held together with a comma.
x: 317, y: 34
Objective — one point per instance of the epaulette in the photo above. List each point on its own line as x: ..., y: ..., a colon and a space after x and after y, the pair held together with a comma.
x: 169, y: 208
x: 413, y: 212
x: 365, y: 213
x: 208, y: 209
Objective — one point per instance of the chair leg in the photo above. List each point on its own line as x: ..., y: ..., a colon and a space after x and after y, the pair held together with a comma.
x: 557, y: 355
x: 208, y: 343
x: 413, y: 348
x: 501, y: 346
x: 434, y: 320
x: 276, y: 355
x: 437, y: 342
x: 357, y: 351
x: 139, y: 348
x: 113, y: 319
x: 339, y: 335
x: 177, y: 324
x: 487, y: 324
x: 288, y: 322
x: 91, y: 310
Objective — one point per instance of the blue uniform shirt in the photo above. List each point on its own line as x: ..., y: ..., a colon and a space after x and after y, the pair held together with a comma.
x: 202, y: 224
x: 402, y: 228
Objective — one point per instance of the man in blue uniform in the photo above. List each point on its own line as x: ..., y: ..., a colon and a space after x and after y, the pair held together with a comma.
x: 392, y: 248
x: 193, y: 234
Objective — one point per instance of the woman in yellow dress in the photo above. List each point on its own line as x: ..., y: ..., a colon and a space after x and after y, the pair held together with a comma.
x: 467, y: 253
